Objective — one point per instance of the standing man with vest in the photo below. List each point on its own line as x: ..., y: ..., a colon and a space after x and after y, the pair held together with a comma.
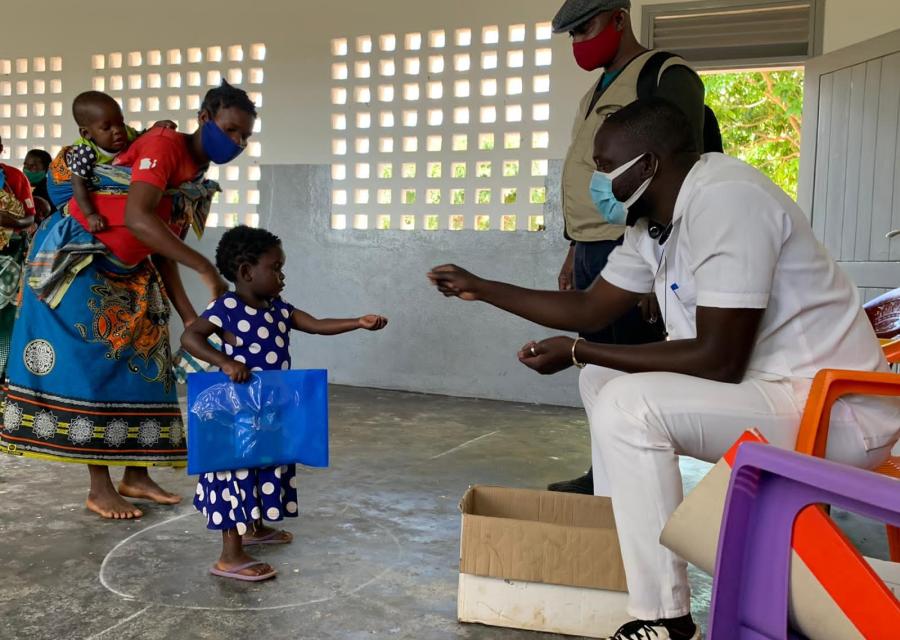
x: 602, y: 38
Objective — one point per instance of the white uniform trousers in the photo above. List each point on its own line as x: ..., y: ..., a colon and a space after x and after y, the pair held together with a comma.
x: 640, y: 424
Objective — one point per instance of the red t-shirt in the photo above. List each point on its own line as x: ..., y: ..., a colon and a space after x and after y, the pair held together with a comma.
x: 17, y: 184
x: 159, y: 157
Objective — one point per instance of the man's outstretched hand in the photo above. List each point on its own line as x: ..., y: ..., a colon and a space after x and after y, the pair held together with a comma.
x: 454, y: 281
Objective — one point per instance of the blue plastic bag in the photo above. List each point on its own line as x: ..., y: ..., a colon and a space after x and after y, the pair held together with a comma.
x: 278, y: 417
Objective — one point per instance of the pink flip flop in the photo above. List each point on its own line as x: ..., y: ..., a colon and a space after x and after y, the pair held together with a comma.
x: 271, y: 538
x: 234, y: 574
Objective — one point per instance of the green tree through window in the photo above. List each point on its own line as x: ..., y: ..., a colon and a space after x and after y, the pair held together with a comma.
x: 759, y: 113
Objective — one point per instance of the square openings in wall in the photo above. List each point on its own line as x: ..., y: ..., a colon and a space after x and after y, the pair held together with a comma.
x: 169, y: 84
x: 441, y: 128
x: 31, y: 106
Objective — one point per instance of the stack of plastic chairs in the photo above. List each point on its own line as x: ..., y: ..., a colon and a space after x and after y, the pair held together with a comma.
x: 770, y: 492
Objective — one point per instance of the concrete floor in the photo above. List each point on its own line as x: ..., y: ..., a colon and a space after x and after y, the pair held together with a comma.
x: 377, y: 542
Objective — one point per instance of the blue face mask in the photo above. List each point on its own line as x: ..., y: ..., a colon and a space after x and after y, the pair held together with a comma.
x: 613, y: 210
x: 220, y: 148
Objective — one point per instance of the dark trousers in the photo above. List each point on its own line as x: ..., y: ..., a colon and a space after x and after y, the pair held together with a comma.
x: 590, y: 259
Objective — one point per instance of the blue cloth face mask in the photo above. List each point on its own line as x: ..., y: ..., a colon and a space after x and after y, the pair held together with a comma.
x: 220, y: 148
x: 612, y: 210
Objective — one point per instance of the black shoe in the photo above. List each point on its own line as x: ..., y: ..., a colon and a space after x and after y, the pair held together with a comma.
x: 676, y: 629
x: 583, y: 484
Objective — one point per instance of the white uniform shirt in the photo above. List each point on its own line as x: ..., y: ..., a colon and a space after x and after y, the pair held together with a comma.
x: 738, y: 241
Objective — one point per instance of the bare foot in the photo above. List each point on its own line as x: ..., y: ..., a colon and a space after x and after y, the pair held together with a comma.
x: 111, y: 505
x: 260, y: 531
x: 137, y: 483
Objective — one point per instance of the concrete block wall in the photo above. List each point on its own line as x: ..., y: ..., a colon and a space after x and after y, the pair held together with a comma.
x: 432, y: 344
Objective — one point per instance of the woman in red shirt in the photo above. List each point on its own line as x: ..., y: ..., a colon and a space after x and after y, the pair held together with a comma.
x: 91, y: 379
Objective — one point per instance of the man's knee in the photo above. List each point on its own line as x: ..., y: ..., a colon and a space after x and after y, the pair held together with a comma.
x: 591, y: 382
x: 621, y: 404
x: 589, y: 385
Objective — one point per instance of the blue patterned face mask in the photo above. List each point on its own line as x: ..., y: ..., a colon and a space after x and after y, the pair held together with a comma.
x: 613, y: 210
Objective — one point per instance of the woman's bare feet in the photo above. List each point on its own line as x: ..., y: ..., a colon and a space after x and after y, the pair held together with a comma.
x: 137, y: 483
x: 113, y: 506
x: 103, y: 499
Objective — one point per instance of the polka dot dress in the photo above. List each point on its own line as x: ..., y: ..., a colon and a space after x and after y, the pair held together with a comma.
x: 234, y: 499
x: 81, y: 159
x: 261, y: 336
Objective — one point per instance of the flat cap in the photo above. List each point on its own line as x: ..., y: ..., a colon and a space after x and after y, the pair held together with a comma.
x: 575, y: 12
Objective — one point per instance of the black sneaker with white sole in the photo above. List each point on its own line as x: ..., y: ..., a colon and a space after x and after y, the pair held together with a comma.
x: 676, y: 629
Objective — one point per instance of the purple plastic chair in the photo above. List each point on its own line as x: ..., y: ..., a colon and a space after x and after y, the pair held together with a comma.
x: 769, y: 487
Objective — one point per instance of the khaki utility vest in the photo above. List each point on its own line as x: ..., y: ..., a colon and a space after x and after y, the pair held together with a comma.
x: 583, y: 222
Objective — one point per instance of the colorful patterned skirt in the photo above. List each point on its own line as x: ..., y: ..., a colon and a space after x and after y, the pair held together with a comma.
x: 91, y: 380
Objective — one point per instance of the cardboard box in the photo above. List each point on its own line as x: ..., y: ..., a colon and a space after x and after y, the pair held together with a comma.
x: 540, y: 560
x: 887, y: 571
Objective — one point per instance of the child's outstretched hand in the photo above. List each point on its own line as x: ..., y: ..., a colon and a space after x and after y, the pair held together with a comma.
x: 237, y: 371
x: 373, y: 322
x: 95, y: 222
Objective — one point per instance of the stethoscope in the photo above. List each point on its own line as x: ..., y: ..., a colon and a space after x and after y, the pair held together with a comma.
x: 661, y: 234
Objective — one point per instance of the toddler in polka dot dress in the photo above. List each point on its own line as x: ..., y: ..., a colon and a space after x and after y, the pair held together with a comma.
x: 254, y: 324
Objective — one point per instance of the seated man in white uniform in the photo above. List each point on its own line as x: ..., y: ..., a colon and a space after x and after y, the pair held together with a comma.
x: 754, y: 306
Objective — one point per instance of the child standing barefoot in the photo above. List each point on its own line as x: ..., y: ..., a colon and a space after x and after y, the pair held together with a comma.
x: 254, y: 324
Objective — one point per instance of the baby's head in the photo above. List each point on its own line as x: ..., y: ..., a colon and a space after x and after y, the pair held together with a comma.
x: 253, y: 260
x: 100, y: 120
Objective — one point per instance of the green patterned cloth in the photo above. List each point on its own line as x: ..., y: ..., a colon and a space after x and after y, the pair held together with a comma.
x: 104, y: 157
x: 185, y: 364
x: 7, y: 319
x: 11, y: 258
x: 10, y: 274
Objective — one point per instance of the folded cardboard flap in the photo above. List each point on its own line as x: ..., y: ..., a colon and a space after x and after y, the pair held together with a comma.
x: 567, y: 509
x: 889, y: 572
x: 539, y: 536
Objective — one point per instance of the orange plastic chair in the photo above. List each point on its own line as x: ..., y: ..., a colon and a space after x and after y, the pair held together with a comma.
x: 827, y: 387
x: 891, y: 350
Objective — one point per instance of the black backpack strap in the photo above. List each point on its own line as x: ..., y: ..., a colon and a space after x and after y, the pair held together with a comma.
x: 712, y: 134
x: 648, y: 78
x: 648, y: 82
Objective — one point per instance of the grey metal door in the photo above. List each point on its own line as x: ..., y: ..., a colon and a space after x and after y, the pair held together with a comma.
x: 850, y: 159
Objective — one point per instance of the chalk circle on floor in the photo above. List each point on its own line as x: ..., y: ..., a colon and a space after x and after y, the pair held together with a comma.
x: 337, y: 551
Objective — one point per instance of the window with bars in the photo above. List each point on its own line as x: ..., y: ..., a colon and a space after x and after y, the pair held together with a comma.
x: 441, y: 129
x: 31, y: 107
x: 170, y: 84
